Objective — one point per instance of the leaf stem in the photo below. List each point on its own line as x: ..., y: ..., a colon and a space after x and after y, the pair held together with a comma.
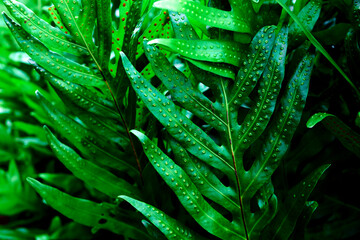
x: 234, y: 160
x: 112, y: 95
x: 126, y: 127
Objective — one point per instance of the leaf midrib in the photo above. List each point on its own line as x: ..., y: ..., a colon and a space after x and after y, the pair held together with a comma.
x: 203, y: 106
x: 257, y: 221
x: 109, y: 88
x: 275, y: 142
x: 193, y: 137
x: 45, y: 29
x: 196, y: 200
x: 82, y: 36
x: 246, y: 78
x: 101, y: 106
x: 87, y: 138
x: 72, y: 208
x: 69, y: 69
x: 215, y: 188
x: 155, y: 220
x: 260, y: 108
x: 241, y: 206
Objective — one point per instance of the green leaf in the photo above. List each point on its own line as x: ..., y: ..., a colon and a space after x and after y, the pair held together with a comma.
x: 303, y: 220
x: 131, y: 39
x: 16, y: 197
x: 89, y: 100
x: 53, y: 62
x: 298, y: 5
x: 269, y: 87
x: 54, y: 38
x: 220, y: 69
x: 206, y: 15
x: 318, y: 46
x: 159, y: 27
x: 170, y: 227
x: 308, y: 17
x: 93, y: 108
x: 348, y: 137
x: 148, y: 72
x: 182, y: 27
x: 191, y: 137
x: 182, y: 90
x: 130, y: 43
x: 16, y: 234
x: 204, y: 50
x: 189, y: 196
x: 95, y: 176
x: 316, y: 118
x: 205, y: 180
x: 257, y: 4
x: 153, y: 231
x: 90, y: 144
x: 118, y: 33
x: 54, y: 15
x: 267, y: 202
x: 279, y: 134
x: 68, y: 182
x: 30, y: 129
x: 254, y: 64
x: 80, y: 21
x: 354, y: 11
x: 88, y: 213
x: 103, y: 17
x: 284, y: 222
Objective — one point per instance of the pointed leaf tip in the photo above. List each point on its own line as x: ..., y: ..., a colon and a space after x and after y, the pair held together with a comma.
x: 316, y: 118
x: 155, y: 41
x: 49, y: 135
x: 33, y: 182
x: 123, y: 197
x: 139, y: 135
x: 29, y: 179
x: 122, y: 54
x: 7, y: 19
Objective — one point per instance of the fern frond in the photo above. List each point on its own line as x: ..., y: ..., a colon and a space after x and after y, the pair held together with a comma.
x: 193, y: 138
x: 90, y: 173
x: 53, y: 38
x: 283, y: 224
x: 51, y: 61
x: 95, y: 215
x: 280, y: 132
x: 92, y: 145
x: 218, y: 81
x: 347, y: 136
x: 204, y: 50
x: 170, y: 227
x: 188, y: 194
x: 206, y: 15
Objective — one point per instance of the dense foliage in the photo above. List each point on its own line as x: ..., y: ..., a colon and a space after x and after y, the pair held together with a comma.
x: 179, y: 119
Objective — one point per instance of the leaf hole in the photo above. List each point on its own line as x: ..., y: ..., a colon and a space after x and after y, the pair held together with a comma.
x: 102, y: 221
x: 249, y: 158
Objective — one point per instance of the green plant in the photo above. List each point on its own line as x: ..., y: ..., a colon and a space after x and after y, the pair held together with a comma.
x: 228, y: 81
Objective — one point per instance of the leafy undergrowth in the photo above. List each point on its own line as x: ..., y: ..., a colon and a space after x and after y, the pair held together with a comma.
x: 179, y: 119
